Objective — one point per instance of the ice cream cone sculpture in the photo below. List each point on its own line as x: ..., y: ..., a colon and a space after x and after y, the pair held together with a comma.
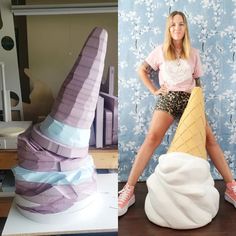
x: 181, y: 192
x: 190, y: 136
x: 56, y: 177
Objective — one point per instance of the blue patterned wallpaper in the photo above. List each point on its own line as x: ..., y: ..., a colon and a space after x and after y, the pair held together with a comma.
x: 212, y: 26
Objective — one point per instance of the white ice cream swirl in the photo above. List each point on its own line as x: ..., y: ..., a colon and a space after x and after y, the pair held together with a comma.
x: 181, y: 192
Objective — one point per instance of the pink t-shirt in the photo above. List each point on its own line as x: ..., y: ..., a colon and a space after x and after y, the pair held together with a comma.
x: 177, y: 75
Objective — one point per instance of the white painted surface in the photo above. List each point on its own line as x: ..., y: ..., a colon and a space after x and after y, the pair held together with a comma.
x: 181, y: 192
x: 101, y: 216
x: 9, y: 132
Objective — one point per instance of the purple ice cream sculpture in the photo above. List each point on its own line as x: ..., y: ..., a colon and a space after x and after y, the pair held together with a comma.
x: 56, y: 177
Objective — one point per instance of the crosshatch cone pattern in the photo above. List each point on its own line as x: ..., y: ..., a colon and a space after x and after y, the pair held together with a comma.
x: 190, y: 136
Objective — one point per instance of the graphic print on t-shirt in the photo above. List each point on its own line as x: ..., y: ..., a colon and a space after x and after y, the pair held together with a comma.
x: 176, y: 72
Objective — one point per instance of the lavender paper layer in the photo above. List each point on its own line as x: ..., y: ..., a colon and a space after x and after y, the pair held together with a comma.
x: 46, y: 198
x: 66, y: 217
x: 56, y: 147
x: 76, y: 102
x: 55, y: 172
x: 54, y: 191
x: 34, y: 157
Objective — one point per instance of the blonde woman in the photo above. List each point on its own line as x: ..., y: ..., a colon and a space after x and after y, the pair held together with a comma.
x: 179, y: 69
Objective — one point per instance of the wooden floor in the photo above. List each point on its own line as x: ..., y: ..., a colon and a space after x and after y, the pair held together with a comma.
x: 135, y: 222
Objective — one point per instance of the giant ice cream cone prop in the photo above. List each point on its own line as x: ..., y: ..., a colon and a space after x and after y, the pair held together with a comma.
x: 181, y: 193
x: 66, y: 130
x: 190, y: 136
x: 56, y: 176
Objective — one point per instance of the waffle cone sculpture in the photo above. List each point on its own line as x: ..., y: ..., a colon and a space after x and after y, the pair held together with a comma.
x: 56, y: 177
x: 190, y: 136
x: 181, y: 192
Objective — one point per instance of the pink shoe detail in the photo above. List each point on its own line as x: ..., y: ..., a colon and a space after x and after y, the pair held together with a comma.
x: 230, y: 193
x: 126, y: 199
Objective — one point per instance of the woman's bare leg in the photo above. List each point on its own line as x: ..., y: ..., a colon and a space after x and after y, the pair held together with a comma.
x: 160, y: 123
x: 217, y: 155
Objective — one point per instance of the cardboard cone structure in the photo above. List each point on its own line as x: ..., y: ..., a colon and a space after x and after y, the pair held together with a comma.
x: 190, y: 136
x: 181, y: 192
x: 66, y: 130
x: 56, y: 177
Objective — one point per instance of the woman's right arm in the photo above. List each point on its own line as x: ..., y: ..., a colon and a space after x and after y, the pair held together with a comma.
x: 143, y: 72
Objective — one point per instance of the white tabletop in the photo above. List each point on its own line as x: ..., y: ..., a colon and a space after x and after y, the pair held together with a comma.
x: 103, y: 218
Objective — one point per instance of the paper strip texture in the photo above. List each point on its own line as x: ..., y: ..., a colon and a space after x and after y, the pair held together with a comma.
x: 56, y: 176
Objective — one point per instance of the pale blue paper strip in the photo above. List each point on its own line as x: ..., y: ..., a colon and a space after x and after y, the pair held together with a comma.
x: 65, y: 134
x: 54, y: 178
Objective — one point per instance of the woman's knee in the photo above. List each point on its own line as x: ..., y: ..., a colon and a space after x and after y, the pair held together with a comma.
x: 154, y: 138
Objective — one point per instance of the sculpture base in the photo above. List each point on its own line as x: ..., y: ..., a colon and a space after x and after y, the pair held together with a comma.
x: 181, y: 192
x: 102, y: 218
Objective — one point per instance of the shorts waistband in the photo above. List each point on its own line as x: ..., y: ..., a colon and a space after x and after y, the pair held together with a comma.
x: 179, y: 92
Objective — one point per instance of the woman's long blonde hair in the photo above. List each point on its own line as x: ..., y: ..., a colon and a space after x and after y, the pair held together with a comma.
x: 168, y: 46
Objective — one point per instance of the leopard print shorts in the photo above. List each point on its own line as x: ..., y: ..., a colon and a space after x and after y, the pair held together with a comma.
x: 174, y: 102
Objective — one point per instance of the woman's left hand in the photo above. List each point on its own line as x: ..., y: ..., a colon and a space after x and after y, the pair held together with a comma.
x: 162, y: 90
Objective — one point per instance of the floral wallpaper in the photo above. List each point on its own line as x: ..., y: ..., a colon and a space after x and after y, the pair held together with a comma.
x: 141, y: 27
